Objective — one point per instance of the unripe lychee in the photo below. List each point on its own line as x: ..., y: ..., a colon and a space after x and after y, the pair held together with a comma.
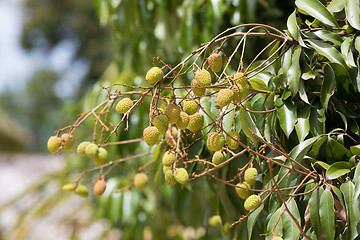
x: 99, y: 187
x: 277, y: 238
x: 215, y: 62
x: 250, y: 175
x: 166, y: 168
x: 195, y: 87
x: 203, y: 77
x: 140, y: 181
x: 154, y: 75
x: 124, y: 105
x: 237, y: 90
x: 161, y: 122
x: 225, y: 229
x: 156, y: 112
x: 171, y: 136
x: 224, y: 97
x: 252, y: 202
x: 219, y: 157
x: 81, y: 190
x: 70, y: 187
x: 183, y: 121
x: 240, y: 78
x: 215, y: 221
x: 67, y: 141
x: 232, y: 144
x: 92, y: 150
x: 172, y: 111
x: 169, y: 178
x: 81, y: 148
x: 191, y: 106
x: 54, y: 144
x: 244, y: 194
x: 151, y: 135
x: 196, y: 122
x: 181, y: 175
x: 168, y: 158
x: 102, y: 157
x: 215, y: 141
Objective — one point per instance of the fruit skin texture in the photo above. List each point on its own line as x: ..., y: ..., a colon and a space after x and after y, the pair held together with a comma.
x: 172, y: 111
x: 232, y: 144
x: 54, y: 144
x: 140, y: 181
x: 277, y: 238
x: 161, y: 122
x: 242, y: 192
x: 169, y: 178
x: 92, y: 150
x: 197, y: 91
x: 99, y: 187
x: 183, y: 121
x: 124, y: 105
x: 215, y: 62
x: 238, y: 92
x: 215, y: 221
x: 219, y: 157
x: 215, y: 141
x: 203, y: 77
x: 225, y: 97
x: 70, y: 187
x: 252, y: 202
x: 81, y: 148
x: 240, y: 78
x: 250, y: 175
x: 191, y: 106
x: 196, y: 122
x: 181, y: 175
x: 81, y: 190
x: 154, y: 75
x: 168, y: 158
x: 102, y: 157
x: 151, y: 135
x: 67, y: 141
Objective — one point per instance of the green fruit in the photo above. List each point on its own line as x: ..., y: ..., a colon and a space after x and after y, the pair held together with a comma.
x: 215, y: 221
x: 219, y: 157
x: 82, y: 191
x: 140, y: 181
x: 240, y: 78
x: 244, y: 194
x: 54, y: 144
x: 252, y: 202
x: 101, y: 158
x: 171, y: 136
x: 161, y: 122
x: 215, y: 141
x: 92, y: 150
x: 67, y: 141
x: 154, y: 75
x: 215, y: 62
x: 169, y: 178
x: 183, y: 121
x: 151, y: 135
x: 237, y: 90
x: 196, y: 122
x: 156, y: 112
x: 225, y: 229
x: 250, y: 175
x: 70, y: 187
x: 168, y: 158
x: 81, y: 148
x: 232, y: 144
x: 196, y: 88
x: 124, y: 105
x: 203, y: 77
x: 172, y: 111
x: 181, y: 175
x: 277, y: 238
x: 225, y: 97
x: 166, y: 168
x: 99, y: 187
x: 191, y: 106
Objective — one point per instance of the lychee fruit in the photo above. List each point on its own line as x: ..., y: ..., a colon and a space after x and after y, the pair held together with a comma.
x: 140, y: 181
x: 215, y: 221
x: 240, y: 78
x: 81, y: 148
x: 196, y: 122
x: 191, y: 106
x: 215, y: 141
x: 124, y: 105
x: 232, y: 144
x: 237, y: 90
x: 225, y: 97
x: 161, y: 122
x: 92, y: 150
x: 250, y: 175
x: 99, y: 187
x: 151, y: 135
x: 244, y: 194
x: 252, y: 202
x: 215, y: 62
x: 54, y: 144
x: 172, y: 111
x: 171, y: 136
x: 102, y: 157
x: 195, y: 87
x: 225, y: 229
x: 181, y: 175
x: 168, y: 158
x: 183, y: 121
x: 81, y: 190
x: 169, y: 178
x: 67, y: 141
x: 154, y: 75
x: 219, y: 157
x: 203, y: 77
x: 70, y: 187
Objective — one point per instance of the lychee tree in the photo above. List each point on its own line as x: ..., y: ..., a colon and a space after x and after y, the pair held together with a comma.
x: 258, y: 146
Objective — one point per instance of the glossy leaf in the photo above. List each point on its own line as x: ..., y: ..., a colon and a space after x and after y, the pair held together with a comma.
x: 355, y: 150
x: 352, y: 11
x: 336, y: 6
x: 298, y: 152
x: 327, y: 36
x: 290, y: 230
x: 252, y: 220
x: 247, y: 124
x: 302, y: 126
x: 347, y: 53
x: 287, y: 115
x: 337, y: 170
x: 323, y: 165
x: 327, y: 214
x: 314, y: 206
x: 293, y: 28
x: 294, y: 72
x: 335, y: 151
x: 351, y: 209
x: 327, y: 87
x: 357, y: 173
x: 278, y: 228
x: 327, y: 51
x: 317, y: 121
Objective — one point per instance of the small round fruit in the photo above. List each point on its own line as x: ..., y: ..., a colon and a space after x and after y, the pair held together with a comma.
x: 215, y: 221
x: 124, y: 105
x: 154, y: 75
x: 215, y: 141
x: 244, y: 194
x: 171, y: 136
x: 67, y: 141
x: 92, y: 150
x: 225, y: 229
x: 183, y: 121
x: 196, y: 122
x: 232, y: 144
x: 252, y: 202
x: 168, y: 158
x: 166, y: 168
x: 81, y: 190
x: 102, y: 157
x: 70, y: 187
x: 191, y: 106
x: 203, y: 77
x: 81, y: 148
x: 240, y: 78
x: 237, y: 90
x: 250, y: 175
x: 181, y: 175
x: 151, y: 135
x: 99, y: 187
x: 196, y: 88
x: 277, y: 238
x: 54, y: 144
x: 161, y: 122
x: 169, y: 178
x: 215, y: 62
x: 140, y: 181
x: 172, y: 111
x: 225, y: 97
x: 219, y: 157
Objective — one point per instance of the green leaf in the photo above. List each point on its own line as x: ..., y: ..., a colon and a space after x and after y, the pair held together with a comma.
x: 286, y: 113
x: 278, y: 229
x: 298, y: 152
x: 347, y: 53
x: 328, y: 86
x: 302, y: 92
x: 294, y: 29
x: 323, y: 165
x: 337, y: 170
x: 317, y: 121
x: 327, y: 214
x: 247, y: 124
x: 335, y: 151
x: 336, y: 6
x: 351, y: 210
x: 355, y: 150
x: 327, y: 51
x: 302, y: 126
x: 353, y: 13
x: 252, y: 220
x: 314, y: 206
x: 357, y: 173
x: 317, y: 10
x: 294, y: 71
x: 290, y: 230
x: 327, y: 36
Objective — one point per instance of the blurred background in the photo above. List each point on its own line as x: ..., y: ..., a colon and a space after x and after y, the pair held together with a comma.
x: 54, y: 55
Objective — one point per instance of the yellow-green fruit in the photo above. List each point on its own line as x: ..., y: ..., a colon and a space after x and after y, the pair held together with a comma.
x: 232, y: 144
x: 67, y: 141
x: 277, y: 238
x: 102, y: 157
x: 140, y: 181
x: 191, y: 106
x: 219, y: 157
x: 203, y: 77
x: 237, y: 90
x: 196, y: 122
x: 215, y: 141
x: 54, y: 144
x: 168, y: 158
x: 99, y: 187
x: 151, y: 135
x: 169, y: 178
x: 172, y: 111
x: 166, y: 168
x: 81, y: 148
x: 240, y: 78
x: 215, y: 62
x: 244, y: 194
x: 215, y: 221
x: 70, y: 187
x: 156, y: 112
x: 171, y: 136
x: 225, y: 229
x: 195, y: 87
x: 225, y: 97
x: 183, y: 121
x: 154, y: 75
x: 124, y: 105
x: 252, y: 202
x: 161, y: 122
x: 181, y: 175
x: 82, y: 191
x: 250, y: 175
x: 92, y: 150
